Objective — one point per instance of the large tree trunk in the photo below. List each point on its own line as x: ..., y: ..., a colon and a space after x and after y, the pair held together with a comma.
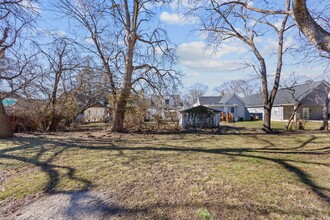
x: 119, y: 114
x: 314, y: 32
x: 131, y: 37
x: 120, y: 108
x: 325, y: 125
x: 53, y: 102
x: 269, y: 100
x: 266, y: 126
x: 5, y: 130
x: 53, y: 121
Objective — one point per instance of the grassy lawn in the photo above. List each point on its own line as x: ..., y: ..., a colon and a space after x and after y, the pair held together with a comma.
x: 176, y: 176
x: 276, y: 125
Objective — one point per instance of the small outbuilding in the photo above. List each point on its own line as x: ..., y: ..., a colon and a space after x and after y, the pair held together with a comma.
x: 200, y: 117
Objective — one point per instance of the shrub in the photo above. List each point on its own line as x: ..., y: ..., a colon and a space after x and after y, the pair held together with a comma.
x: 204, y: 214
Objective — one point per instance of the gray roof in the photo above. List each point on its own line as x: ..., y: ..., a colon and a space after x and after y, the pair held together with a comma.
x: 209, y: 100
x: 214, y: 100
x: 285, y: 96
x: 200, y: 109
x: 225, y: 98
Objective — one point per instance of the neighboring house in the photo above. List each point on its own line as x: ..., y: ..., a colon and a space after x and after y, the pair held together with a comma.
x: 199, y: 117
x: 311, y: 96
x: 96, y: 113
x: 167, y: 107
x: 91, y: 109
x: 227, y: 103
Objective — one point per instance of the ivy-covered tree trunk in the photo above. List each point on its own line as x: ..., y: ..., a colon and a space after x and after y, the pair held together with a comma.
x: 119, y: 114
x: 5, y: 130
x: 131, y: 38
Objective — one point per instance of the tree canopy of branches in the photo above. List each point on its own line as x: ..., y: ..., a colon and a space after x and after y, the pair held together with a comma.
x: 242, y: 21
x: 243, y: 88
x: 58, y: 71
x: 131, y: 53
x: 14, y: 17
x: 192, y: 93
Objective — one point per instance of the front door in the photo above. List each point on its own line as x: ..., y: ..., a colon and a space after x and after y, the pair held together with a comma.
x: 306, y: 113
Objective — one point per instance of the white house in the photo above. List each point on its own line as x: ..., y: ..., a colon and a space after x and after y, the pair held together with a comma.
x: 97, y: 113
x: 226, y: 103
x: 166, y: 107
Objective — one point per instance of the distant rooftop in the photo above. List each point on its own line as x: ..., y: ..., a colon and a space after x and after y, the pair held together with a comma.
x: 284, y: 95
x: 215, y: 100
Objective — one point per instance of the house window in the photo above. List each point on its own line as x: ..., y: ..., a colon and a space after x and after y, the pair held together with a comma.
x: 306, y: 113
x: 232, y: 110
x: 167, y: 102
x: 276, y: 111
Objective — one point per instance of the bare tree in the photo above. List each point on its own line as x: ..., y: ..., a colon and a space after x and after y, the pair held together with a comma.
x: 90, y: 89
x: 193, y: 92
x: 239, y: 20
x: 309, y: 27
x: 56, y: 77
x: 14, y: 16
x: 131, y: 54
x: 306, y: 52
x: 290, y: 85
x: 323, y: 98
x: 243, y: 88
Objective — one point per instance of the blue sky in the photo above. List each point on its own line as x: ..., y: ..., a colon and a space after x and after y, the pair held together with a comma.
x: 198, y: 62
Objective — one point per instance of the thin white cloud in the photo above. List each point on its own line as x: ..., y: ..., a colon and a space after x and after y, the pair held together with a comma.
x: 89, y: 40
x: 197, y: 56
x: 193, y: 74
x: 250, y: 3
x: 174, y: 18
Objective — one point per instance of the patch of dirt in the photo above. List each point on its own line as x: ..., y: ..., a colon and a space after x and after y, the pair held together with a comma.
x: 70, y: 205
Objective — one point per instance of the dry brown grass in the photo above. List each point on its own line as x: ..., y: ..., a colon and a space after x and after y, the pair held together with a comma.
x: 176, y: 176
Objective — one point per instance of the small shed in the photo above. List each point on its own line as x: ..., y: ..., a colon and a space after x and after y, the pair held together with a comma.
x: 200, y: 117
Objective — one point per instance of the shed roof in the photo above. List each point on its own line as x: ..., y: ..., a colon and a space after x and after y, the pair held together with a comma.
x: 200, y: 109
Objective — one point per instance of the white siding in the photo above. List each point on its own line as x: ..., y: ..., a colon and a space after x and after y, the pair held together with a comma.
x: 239, y: 110
x: 277, y: 114
x: 256, y: 110
x: 95, y: 114
x: 187, y: 121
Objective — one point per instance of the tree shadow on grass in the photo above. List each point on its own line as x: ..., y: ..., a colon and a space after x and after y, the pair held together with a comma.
x: 41, y: 159
x: 81, y: 203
